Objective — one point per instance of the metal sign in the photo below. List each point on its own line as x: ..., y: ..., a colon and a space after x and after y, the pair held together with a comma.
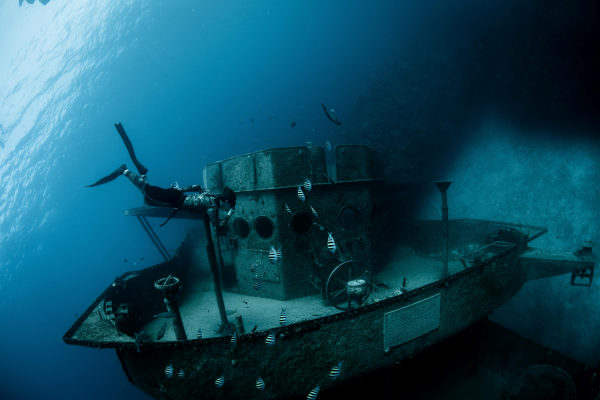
x: 410, y: 322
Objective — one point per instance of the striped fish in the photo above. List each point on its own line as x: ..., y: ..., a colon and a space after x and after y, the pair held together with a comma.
x: 199, y: 334
x: 181, y: 373
x: 234, y: 339
x: 283, y: 317
x: 287, y: 209
x: 307, y: 184
x: 258, y: 286
x: 300, y: 193
x: 273, y: 255
x: 278, y: 254
x: 331, y: 244
x: 313, y: 393
x: 169, y: 371
x: 335, y: 370
x: 260, y: 384
x: 313, y: 211
x: 252, y: 268
x: 270, y: 341
x: 220, y: 381
x: 328, y: 145
x: 192, y: 376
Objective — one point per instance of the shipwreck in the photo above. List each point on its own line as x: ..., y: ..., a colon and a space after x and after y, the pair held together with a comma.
x: 380, y: 291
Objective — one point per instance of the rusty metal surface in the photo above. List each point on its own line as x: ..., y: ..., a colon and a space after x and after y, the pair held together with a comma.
x: 541, y: 263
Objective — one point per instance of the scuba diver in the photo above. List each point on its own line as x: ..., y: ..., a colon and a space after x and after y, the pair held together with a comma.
x: 175, y: 197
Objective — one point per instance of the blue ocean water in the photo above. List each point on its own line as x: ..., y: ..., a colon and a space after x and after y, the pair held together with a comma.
x: 184, y: 78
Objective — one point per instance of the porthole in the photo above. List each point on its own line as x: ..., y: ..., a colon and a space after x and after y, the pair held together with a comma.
x: 301, y: 222
x: 241, y: 228
x: 264, y: 227
x: 349, y: 216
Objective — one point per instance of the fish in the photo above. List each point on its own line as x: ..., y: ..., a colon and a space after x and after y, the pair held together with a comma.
x: 252, y: 268
x: 270, y: 340
x: 313, y: 211
x: 307, y: 184
x: 142, y: 258
x: 181, y: 373
x: 241, y: 120
x: 329, y: 180
x: 335, y: 370
x: 161, y: 333
x: 244, y: 302
x: 270, y: 116
x: 331, y: 244
x: 220, y: 381
x: 283, y: 317
x: 231, y: 312
x: 279, y: 256
x: 273, y: 255
x: 333, y: 119
x: 287, y: 209
x: 125, y: 260
x: 234, y: 339
x: 192, y: 375
x: 139, y: 338
x: 258, y: 285
x: 293, y: 124
x: 165, y: 315
x: 260, y: 384
x: 328, y: 145
x: 169, y: 371
x: 252, y: 119
x: 300, y: 194
x: 199, y: 334
x: 313, y: 393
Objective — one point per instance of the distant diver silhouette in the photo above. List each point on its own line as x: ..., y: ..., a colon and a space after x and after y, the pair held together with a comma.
x: 333, y: 119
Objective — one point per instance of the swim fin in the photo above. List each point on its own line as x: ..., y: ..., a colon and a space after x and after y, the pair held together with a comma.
x: 111, y: 177
x: 141, y: 169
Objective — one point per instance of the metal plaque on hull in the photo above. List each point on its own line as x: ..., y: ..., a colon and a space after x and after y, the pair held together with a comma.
x: 410, y: 322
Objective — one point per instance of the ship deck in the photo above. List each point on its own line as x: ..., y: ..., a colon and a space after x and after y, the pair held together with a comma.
x: 198, y: 306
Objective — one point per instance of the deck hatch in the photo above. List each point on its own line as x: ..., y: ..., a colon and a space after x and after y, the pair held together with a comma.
x: 410, y: 322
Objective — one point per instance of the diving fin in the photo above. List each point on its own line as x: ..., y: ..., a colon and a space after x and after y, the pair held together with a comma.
x: 111, y: 177
x: 141, y: 169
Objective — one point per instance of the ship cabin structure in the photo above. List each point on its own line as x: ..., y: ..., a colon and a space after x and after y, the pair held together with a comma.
x: 289, y: 200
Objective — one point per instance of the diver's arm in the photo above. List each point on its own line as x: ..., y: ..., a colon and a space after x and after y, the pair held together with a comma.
x: 192, y: 188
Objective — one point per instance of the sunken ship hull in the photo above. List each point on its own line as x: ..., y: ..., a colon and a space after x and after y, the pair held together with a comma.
x: 422, y: 282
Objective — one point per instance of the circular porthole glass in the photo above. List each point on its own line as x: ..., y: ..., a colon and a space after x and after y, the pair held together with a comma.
x: 349, y: 216
x: 264, y: 227
x: 301, y: 222
x: 241, y: 228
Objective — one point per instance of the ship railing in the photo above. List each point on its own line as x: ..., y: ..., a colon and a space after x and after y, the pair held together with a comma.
x: 475, y: 257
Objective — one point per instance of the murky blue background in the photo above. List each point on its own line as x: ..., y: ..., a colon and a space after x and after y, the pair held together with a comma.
x: 185, y: 78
